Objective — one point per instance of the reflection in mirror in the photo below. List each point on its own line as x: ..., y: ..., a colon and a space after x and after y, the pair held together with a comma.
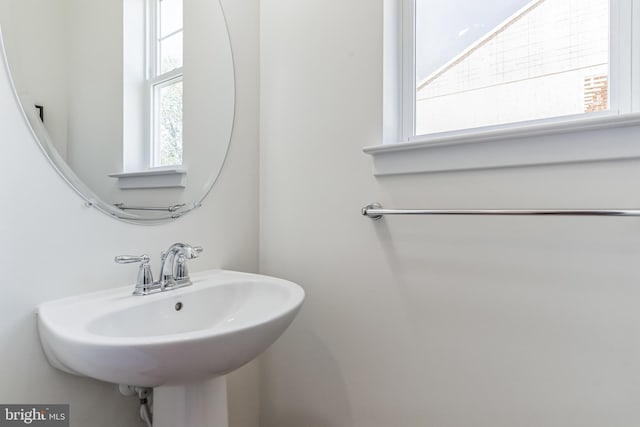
x: 136, y: 96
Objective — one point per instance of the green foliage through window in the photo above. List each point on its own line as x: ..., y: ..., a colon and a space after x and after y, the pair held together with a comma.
x: 170, y: 125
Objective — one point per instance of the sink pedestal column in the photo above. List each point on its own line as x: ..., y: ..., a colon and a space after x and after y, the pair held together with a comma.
x: 202, y: 404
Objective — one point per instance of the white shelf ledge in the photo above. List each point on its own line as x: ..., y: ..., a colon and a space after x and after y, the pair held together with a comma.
x: 152, y: 178
x: 581, y: 140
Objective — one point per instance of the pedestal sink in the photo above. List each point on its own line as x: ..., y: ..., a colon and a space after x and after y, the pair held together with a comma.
x: 181, y: 342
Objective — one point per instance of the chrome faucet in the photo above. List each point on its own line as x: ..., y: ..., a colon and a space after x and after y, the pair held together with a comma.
x: 173, y: 271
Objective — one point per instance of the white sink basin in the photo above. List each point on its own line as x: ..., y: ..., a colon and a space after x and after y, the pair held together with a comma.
x: 225, y: 319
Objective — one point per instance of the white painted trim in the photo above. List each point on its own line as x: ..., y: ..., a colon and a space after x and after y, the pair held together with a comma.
x: 635, y: 57
x: 407, y: 67
x: 135, y: 132
x: 392, y: 71
x: 166, y: 77
x: 152, y: 178
x: 620, y: 56
x: 152, y: 11
x: 578, y: 140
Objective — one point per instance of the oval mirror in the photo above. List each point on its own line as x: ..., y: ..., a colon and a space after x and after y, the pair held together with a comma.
x: 132, y: 101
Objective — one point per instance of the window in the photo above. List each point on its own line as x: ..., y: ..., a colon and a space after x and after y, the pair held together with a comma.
x: 164, y: 83
x: 508, y: 74
x: 495, y: 62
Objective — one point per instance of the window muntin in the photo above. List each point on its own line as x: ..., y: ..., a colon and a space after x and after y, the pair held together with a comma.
x: 474, y: 64
x: 165, y: 55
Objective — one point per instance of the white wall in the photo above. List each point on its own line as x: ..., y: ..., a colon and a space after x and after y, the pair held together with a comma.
x: 95, y: 94
x: 53, y: 247
x: 37, y: 46
x: 416, y: 321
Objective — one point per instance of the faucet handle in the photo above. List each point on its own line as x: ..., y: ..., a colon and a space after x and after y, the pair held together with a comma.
x: 144, y: 281
x: 130, y: 259
x: 145, y: 276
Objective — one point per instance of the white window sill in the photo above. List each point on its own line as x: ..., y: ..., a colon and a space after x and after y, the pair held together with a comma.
x: 577, y: 140
x: 152, y: 178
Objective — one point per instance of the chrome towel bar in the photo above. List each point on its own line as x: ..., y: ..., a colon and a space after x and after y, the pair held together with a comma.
x: 173, y: 208
x: 376, y: 211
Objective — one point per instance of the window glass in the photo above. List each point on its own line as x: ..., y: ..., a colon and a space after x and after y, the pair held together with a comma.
x: 170, y: 30
x: 168, y: 150
x: 496, y: 62
x: 171, y: 53
x: 170, y: 17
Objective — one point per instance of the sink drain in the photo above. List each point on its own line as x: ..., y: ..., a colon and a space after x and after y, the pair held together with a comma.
x: 178, y: 306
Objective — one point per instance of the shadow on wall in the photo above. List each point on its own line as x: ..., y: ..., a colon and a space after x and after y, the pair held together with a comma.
x: 498, y: 309
x: 318, y: 382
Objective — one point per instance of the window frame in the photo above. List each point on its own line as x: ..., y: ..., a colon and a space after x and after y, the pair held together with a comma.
x: 154, y: 82
x: 509, y: 144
